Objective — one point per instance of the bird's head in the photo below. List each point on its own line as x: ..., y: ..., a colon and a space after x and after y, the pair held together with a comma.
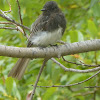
x: 50, y: 7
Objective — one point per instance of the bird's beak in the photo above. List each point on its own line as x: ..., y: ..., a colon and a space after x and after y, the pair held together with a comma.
x: 43, y: 9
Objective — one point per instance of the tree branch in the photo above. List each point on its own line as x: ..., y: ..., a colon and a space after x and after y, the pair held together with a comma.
x: 75, y: 70
x: 21, y: 19
x: 82, y: 64
x: 72, y: 84
x: 53, y: 51
x: 10, y: 28
x: 13, y: 21
x: 38, y: 77
x: 9, y: 7
x: 92, y: 87
x: 6, y: 23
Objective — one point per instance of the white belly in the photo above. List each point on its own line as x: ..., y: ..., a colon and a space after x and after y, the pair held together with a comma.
x: 46, y: 38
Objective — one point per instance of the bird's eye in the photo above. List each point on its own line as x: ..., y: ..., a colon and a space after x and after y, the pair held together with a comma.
x: 53, y: 8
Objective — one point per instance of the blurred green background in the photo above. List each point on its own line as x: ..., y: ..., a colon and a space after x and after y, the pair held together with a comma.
x: 83, y: 23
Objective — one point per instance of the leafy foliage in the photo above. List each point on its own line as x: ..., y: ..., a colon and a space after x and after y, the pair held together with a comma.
x: 83, y: 23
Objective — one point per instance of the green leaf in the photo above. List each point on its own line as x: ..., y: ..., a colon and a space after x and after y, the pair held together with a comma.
x: 80, y: 36
x: 49, y: 93
x: 96, y: 10
x: 16, y: 92
x: 63, y: 78
x: 73, y: 36
x: 55, y: 74
x: 92, y: 28
x: 9, y: 84
x: 93, y: 2
x: 49, y: 68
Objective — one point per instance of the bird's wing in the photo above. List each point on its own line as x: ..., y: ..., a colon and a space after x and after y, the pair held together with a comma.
x: 38, y: 25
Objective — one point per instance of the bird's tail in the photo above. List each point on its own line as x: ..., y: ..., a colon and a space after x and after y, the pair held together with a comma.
x: 19, y: 68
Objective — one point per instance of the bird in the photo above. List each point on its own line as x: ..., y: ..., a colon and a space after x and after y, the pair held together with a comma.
x: 47, y: 29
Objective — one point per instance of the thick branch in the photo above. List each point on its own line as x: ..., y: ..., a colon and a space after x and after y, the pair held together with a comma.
x: 54, y: 51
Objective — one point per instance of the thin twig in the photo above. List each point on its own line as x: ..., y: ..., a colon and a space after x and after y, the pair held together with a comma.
x: 21, y: 19
x: 13, y: 21
x: 95, y: 56
x: 19, y: 12
x: 80, y: 64
x: 92, y: 87
x: 38, y: 77
x: 72, y: 84
x: 84, y: 94
x: 17, y: 27
x: 94, y: 95
x: 75, y: 70
x: 9, y: 7
x: 20, y: 29
x: 9, y: 28
x: 5, y: 23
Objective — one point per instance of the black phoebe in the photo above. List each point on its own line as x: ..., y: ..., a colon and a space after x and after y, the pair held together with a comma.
x: 46, y: 30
